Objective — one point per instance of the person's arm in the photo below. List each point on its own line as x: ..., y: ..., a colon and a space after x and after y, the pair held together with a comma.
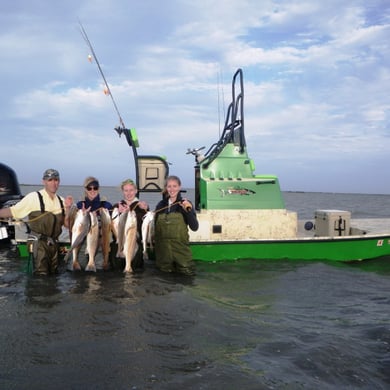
x: 68, y: 204
x: 26, y: 205
x: 190, y: 215
x: 192, y: 221
x: 6, y: 213
x: 66, y: 219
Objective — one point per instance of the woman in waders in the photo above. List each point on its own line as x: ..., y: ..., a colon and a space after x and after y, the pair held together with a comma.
x: 94, y: 202
x: 173, y: 217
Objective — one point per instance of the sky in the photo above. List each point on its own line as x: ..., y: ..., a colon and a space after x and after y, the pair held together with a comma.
x: 316, y: 87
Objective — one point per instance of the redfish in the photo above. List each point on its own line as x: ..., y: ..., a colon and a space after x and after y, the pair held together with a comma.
x: 79, y: 231
x: 92, y: 242
x: 130, y: 246
x: 147, y: 232
x: 105, y: 229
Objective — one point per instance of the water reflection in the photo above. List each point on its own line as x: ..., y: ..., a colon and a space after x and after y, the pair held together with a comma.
x: 43, y: 291
x: 247, y: 324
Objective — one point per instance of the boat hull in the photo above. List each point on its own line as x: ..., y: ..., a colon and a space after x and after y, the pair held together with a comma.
x: 324, y: 248
x: 371, y: 240
x: 344, y: 249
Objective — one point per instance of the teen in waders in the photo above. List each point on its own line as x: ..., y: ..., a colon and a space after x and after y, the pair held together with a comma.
x: 173, y: 217
x: 130, y: 202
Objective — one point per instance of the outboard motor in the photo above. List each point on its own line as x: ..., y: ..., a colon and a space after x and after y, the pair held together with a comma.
x: 9, y: 195
x: 9, y: 186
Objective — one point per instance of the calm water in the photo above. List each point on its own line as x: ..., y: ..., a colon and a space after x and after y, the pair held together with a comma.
x: 238, y: 325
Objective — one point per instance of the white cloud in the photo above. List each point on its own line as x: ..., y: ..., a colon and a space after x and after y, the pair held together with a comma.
x: 316, y: 80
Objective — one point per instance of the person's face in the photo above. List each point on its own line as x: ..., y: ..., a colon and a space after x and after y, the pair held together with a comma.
x: 51, y: 185
x: 129, y: 192
x: 173, y: 188
x: 92, y: 191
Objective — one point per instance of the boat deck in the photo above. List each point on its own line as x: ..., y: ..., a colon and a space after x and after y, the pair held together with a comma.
x: 358, y: 226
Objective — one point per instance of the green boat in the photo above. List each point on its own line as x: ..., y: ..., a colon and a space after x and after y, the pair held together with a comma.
x: 242, y: 215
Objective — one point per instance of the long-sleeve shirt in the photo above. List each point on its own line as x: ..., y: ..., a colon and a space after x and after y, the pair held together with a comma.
x: 189, y: 216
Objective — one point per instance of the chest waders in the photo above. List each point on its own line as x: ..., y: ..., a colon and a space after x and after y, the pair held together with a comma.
x: 45, y: 227
x: 172, y: 250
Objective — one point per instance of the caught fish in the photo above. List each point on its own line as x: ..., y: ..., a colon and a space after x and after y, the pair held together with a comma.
x: 72, y: 217
x: 105, y: 230
x: 121, y: 233
x: 115, y: 222
x: 130, y: 246
x: 79, y: 231
x: 92, y: 242
x: 147, y: 232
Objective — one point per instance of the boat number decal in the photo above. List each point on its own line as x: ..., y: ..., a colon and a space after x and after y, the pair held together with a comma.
x: 379, y: 243
x: 236, y: 191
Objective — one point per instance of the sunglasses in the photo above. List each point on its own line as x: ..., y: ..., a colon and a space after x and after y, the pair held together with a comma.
x: 92, y: 188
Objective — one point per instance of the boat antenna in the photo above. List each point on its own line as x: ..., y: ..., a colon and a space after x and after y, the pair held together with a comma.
x: 220, y: 92
x: 107, y: 90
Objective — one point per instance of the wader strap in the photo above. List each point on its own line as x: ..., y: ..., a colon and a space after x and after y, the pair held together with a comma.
x: 43, y: 204
x: 62, y: 205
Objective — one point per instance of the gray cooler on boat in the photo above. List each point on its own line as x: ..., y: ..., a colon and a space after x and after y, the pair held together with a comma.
x: 332, y: 223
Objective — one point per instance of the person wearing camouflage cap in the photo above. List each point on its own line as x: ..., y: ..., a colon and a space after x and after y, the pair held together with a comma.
x: 46, y: 213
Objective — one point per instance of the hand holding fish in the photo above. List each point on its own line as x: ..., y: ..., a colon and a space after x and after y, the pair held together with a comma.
x: 84, y: 209
x: 143, y: 205
x: 123, y: 207
x: 68, y: 201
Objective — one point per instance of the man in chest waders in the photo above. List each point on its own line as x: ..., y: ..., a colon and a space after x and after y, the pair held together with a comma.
x: 46, y: 214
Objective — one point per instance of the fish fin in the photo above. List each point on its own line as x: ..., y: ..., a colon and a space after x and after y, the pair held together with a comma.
x: 90, y: 268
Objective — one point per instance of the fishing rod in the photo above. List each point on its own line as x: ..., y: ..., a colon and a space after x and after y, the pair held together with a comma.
x: 130, y: 134
x: 107, y: 90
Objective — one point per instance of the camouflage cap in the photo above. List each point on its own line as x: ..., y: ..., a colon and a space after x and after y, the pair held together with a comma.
x: 50, y: 174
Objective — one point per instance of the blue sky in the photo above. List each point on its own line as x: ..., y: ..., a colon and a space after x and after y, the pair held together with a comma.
x: 316, y: 79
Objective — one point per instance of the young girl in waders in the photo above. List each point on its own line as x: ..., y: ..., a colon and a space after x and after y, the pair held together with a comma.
x: 173, y: 217
x: 140, y: 208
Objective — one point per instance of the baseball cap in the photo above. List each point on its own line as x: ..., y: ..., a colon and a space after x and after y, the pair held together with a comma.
x: 50, y: 174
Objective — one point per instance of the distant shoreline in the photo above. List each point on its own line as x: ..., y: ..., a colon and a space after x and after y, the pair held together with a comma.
x: 62, y: 185
x: 192, y: 189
